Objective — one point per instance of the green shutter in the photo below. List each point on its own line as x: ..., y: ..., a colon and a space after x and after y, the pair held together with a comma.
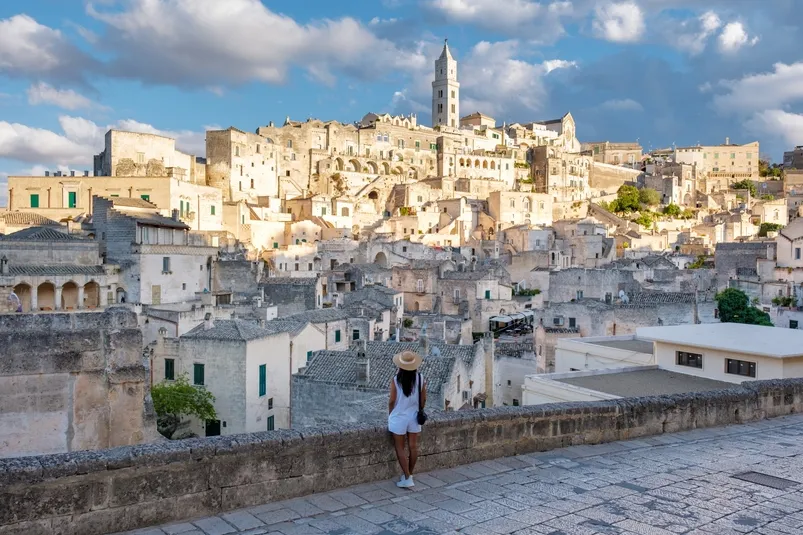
x: 262, y: 377
x: 170, y: 369
x: 337, y: 335
x: 145, y: 198
x: 34, y: 200
x: 487, y: 294
x: 270, y: 423
x: 212, y: 209
x: 275, y: 245
x: 198, y: 374
x: 309, y: 356
x: 72, y: 199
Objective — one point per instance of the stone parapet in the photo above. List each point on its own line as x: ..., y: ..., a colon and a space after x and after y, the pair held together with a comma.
x: 99, y: 492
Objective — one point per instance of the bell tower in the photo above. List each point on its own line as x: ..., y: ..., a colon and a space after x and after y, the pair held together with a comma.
x: 446, y: 91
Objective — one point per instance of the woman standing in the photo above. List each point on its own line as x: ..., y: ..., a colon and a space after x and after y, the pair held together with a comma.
x: 408, y: 394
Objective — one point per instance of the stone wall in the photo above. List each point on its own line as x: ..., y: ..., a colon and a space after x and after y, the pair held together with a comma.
x: 239, y: 277
x: 135, y: 486
x: 72, y: 382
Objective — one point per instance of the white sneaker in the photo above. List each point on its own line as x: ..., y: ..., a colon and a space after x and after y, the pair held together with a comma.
x: 406, y: 483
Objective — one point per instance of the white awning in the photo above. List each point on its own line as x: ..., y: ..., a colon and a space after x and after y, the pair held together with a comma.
x: 503, y: 319
x: 529, y: 313
x: 517, y: 316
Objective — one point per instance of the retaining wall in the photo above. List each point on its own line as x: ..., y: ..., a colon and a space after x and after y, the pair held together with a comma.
x: 100, y: 492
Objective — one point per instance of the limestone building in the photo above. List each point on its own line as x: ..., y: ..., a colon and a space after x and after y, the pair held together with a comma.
x: 726, y: 163
x: 132, y: 154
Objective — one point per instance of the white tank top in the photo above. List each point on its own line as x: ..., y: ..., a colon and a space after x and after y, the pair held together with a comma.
x: 405, y: 405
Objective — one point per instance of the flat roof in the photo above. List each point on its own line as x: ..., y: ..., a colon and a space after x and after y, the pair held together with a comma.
x: 641, y: 346
x: 645, y: 383
x: 772, y: 342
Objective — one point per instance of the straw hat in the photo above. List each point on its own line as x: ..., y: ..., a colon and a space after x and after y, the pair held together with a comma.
x: 407, y: 360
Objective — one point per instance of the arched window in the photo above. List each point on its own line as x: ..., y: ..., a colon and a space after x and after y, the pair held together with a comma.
x: 493, y: 165
x: 526, y: 205
x: 344, y: 211
x: 485, y: 164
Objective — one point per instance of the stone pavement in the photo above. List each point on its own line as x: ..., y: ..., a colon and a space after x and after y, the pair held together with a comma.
x: 668, y: 484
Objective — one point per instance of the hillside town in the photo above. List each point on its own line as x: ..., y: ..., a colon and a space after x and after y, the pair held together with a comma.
x: 283, y: 268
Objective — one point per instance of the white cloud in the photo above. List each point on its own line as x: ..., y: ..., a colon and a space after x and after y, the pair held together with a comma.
x: 620, y: 23
x: 627, y: 104
x: 79, y: 141
x: 734, y: 36
x: 67, y: 99
x: 692, y: 35
x: 400, y: 100
x: 777, y: 124
x: 759, y: 92
x: 555, y: 64
x: 209, y: 42
x: 530, y: 19
x: 28, y: 48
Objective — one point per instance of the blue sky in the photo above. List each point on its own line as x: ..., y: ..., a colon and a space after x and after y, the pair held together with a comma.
x: 660, y: 71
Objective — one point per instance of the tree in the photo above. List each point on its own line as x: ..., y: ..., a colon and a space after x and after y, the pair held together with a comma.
x: 746, y: 184
x: 649, y: 196
x: 672, y: 210
x: 735, y: 307
x: 627, y: 199
x: 644, y: 219
x: 174, y: 399
x: 768, y: 227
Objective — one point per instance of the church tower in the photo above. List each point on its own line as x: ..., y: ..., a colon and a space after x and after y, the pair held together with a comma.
x: 446, y: 91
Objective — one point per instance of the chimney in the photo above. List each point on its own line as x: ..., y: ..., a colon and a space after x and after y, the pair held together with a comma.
x: 363, y: 364
x: 209, y: 322
x: 176, y: 216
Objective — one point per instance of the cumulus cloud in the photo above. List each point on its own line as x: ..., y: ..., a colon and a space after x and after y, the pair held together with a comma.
x: 777, y: 124
x: 79, y: 140
x: 734, y: 36
x: 208, y: 42
x: 758, y: 92
x: 67, y: 99
x: 627, y: 104
x: 692, y: 35
x: 29, y: 49
x: 531, y: 19
x: 555, y: 64
x: 621, y: 22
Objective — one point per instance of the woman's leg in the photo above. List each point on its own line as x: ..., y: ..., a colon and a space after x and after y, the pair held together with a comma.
x: 412, y: 441
x: 401, y: 455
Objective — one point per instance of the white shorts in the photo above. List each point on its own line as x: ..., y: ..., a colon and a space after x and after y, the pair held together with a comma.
x: 401, y: 424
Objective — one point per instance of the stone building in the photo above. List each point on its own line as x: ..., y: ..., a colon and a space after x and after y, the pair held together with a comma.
x: 615, y: 153
x: 293, y: 294
x: 511, y: 208
x: 245, y: 366
x: 72, y: 382
x: 512, y: 362
x: 723, y: 164
x: 351, y: 386
x: 135, y: 154
x: 242, y: 165
x: 160, y: 261
x: 793, y: 159
x: 419, y: 282
x: 51, y: 270
x: 446, y: 92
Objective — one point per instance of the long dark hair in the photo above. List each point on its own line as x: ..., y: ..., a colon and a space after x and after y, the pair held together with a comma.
x: 406, y: 379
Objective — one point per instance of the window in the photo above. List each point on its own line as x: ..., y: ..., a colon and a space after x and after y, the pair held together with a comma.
x: 440, y: 93
x: 270, y: 403
x: 309, y: 356
x: 236, y: 151
x: 72, y: 199
x: 34, y: 200
x: 797, y: 253
x: 419, y: 285
x: 515, y: 403
x: 275, y: 245
x: 733, y: 155
x: 417, y: 145
x: 740, y: 367
x: 170, y: 369
x: 270, y: 423
x: 183, y: 285
x: 323, y: 210
x: 452, y: 94
x: 579, y: 294
x: 487, y: 294
x: 337, y: 335
x: 198, y: 374
x: 512, y: 203
x: 263, y: 372
x: 296, y: 266
x: 145, y: 197
x: 252, y: 183
x: 212, y: 209
x: 289, y: 143
x: 693, y: 360
x: 509, y: 383
x: 309, y: 266
x: 420, y: 198
x: 572, y: 323
x: 166, y: 264
x: 355, y: 334
x: 793, y: 324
